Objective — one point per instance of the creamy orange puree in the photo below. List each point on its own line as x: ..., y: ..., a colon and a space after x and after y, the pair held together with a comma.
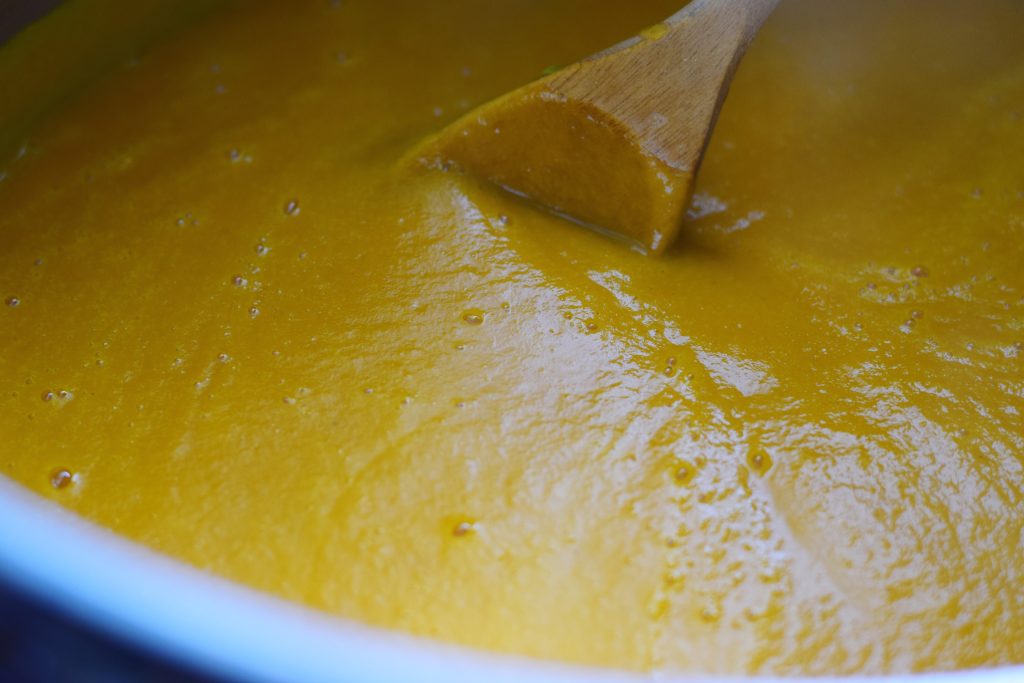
x: 253, y: 340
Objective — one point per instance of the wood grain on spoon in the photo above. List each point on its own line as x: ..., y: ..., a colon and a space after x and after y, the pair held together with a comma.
x: 614, y: 141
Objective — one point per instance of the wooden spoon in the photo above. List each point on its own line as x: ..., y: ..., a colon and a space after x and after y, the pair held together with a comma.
x: 614, y: 141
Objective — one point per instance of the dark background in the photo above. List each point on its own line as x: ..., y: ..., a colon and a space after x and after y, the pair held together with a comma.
x: 38, y: 645
x: 16, y: 14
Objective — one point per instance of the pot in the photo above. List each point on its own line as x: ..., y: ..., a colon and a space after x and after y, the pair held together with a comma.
x: 158, y: 605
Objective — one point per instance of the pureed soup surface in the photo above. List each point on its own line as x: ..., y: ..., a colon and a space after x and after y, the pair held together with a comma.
x: 239, y: 329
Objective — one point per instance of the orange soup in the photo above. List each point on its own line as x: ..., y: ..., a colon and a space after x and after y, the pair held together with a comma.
x: 237, y: 329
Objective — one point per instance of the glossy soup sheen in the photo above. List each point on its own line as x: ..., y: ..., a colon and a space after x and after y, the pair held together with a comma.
x: 238, y: 328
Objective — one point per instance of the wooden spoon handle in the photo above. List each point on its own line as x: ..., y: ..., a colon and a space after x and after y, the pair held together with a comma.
x: 753, y: 12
